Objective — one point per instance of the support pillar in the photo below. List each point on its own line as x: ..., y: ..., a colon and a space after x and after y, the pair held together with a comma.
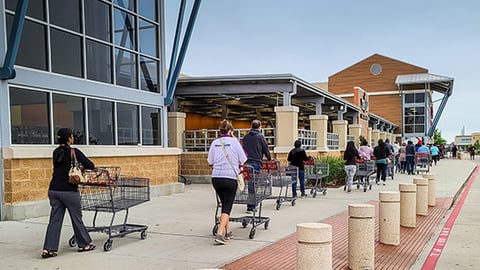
x: 389, y: 217
x: 422, y: 195
x: 319, y: 123
x: 314, y: 246
x: 355, y: 130
x: 340, y: 127
x: 369, y: 136
x: 408, y: 211
x: 361, y: 246
x: 286, y: 127
x: 383, y: 135
x: 375, y: 137
x: 176, y: 127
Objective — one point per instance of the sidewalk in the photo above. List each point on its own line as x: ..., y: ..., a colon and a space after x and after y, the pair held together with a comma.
x: 180, y: 229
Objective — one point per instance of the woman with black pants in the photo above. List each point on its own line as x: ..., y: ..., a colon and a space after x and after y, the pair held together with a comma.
x: 381, y: 153
x: 65, y: 196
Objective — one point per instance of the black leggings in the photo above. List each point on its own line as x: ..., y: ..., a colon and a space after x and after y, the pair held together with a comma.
x: 225, y: 189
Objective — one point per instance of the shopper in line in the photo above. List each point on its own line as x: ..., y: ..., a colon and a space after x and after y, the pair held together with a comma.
x: 350, y: 156
x: 381, y: 153
x: 296, y: 157
x: 225, y: 157
x: 256, y: 148
x: 65, y: 196
x: 402, y: 157
x: 435, y: 153
x: 410, y: 157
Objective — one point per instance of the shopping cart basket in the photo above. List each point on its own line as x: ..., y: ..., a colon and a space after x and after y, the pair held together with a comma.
x: 316, y: 171
x: 107, y: 191
x: 365, y: 170
x: 259, y: 188
x: 422, y: 162
x: 283, y: 178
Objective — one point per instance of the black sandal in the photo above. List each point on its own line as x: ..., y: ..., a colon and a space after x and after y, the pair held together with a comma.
x: 89, y: 247
x: 48, y: 254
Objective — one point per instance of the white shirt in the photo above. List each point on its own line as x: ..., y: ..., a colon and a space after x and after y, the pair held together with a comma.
x: 221, y: 165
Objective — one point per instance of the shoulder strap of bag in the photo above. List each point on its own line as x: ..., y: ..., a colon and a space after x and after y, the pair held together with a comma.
x: 73, y: 156
x: 227, y: 156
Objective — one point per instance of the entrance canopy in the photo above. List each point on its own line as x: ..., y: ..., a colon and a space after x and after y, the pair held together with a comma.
x: 246, y: 97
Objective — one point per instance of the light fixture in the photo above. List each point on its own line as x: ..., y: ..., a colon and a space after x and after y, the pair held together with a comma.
x: 332, y: 107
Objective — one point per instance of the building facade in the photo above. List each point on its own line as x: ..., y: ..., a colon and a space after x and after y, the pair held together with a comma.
x: 95, y: 66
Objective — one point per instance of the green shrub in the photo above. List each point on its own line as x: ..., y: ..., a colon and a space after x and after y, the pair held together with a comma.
x: 336, y: 171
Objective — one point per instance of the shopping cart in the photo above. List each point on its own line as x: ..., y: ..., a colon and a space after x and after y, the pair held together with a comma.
x: 422, y: 162
x: 316, y: 171
x: 283, y: 178
x: 259, y: 188
x: 391, y: 166
x: 365, y: 170
x: 107, y: 191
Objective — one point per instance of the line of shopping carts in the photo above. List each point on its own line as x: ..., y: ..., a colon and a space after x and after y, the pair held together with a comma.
x: 423, y: 162
x: 282, y: 177
x: 105, y: 190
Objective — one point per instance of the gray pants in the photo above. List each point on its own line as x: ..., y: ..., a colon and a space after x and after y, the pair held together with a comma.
x: 59, y: 201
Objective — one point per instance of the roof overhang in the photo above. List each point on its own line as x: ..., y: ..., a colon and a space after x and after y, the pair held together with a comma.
x: 437, y: 83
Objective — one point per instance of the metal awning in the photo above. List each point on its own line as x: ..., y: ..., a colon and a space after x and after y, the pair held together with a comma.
x: 437, y: 83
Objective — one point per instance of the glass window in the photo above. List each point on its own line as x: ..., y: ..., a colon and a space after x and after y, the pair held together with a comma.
x: 420, y: 98
x: 99, y: 61
x: 151, y: 127
x: 65, y: 14
x: 148, y: 9
x: 127, y: 123
x: 409, y: 128
x: 100, y: 122
x: 68, y: 111
x: 66, y: 53
x: 128, y: 4
x: 33, y: 45
x: 148, y: 38
x: 29, y: 117
x: 148, y: 74
x: 97, y: 19
x: 125, y: 27
x: 35, y: 9
x: 126, y: 68
x: 409, y: 98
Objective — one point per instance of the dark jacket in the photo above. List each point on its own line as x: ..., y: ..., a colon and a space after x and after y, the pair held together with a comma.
x: 296, y: 157
x: 381, y: 152
x: 410, y: 150
x: 255, y: 146
x: 61, y: 167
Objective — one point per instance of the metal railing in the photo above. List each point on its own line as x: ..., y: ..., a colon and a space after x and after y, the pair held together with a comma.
x: 200, y: 140
x: 333, y: 141
x: 308, y: 138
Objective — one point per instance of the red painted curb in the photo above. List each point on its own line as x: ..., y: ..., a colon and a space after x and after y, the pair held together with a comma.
x: 439, y: 245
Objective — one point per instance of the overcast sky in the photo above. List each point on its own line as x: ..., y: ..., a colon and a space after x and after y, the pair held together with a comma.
x: 313, y: 39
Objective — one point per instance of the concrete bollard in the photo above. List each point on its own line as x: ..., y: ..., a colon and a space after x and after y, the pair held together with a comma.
x: 314, y: 246
x: 408, y: 210
x: 432, y: 199
x: 361, y: 236
x: 422, y: 195
x: 389, y: 217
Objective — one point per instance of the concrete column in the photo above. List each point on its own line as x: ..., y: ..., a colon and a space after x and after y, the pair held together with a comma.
x: 361, y: 236
x: 389, y: 217
x: 286, y: 127
x: 176, y: 126
x: 319, y: 123
x: 431, y: 188
x: 369, y: 136
x: 314, y: 246
x: 422, y: 195
x: 355, y: 130
x: 340, y: 127
x: 383, y: 135
x: 408, y: 210
x: 375, y: 137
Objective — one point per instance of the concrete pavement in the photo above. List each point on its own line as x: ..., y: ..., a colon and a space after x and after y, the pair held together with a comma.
x: 180, y: 229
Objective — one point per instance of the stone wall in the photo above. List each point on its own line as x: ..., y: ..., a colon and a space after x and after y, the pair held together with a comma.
x: 28, y: 179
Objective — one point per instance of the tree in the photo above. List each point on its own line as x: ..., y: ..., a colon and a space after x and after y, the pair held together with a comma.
x: 437, y: 138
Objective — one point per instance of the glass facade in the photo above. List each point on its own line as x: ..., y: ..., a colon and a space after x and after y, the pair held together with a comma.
x: 108, y: 41
x: 115, y: 36
x: 414, y: 114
